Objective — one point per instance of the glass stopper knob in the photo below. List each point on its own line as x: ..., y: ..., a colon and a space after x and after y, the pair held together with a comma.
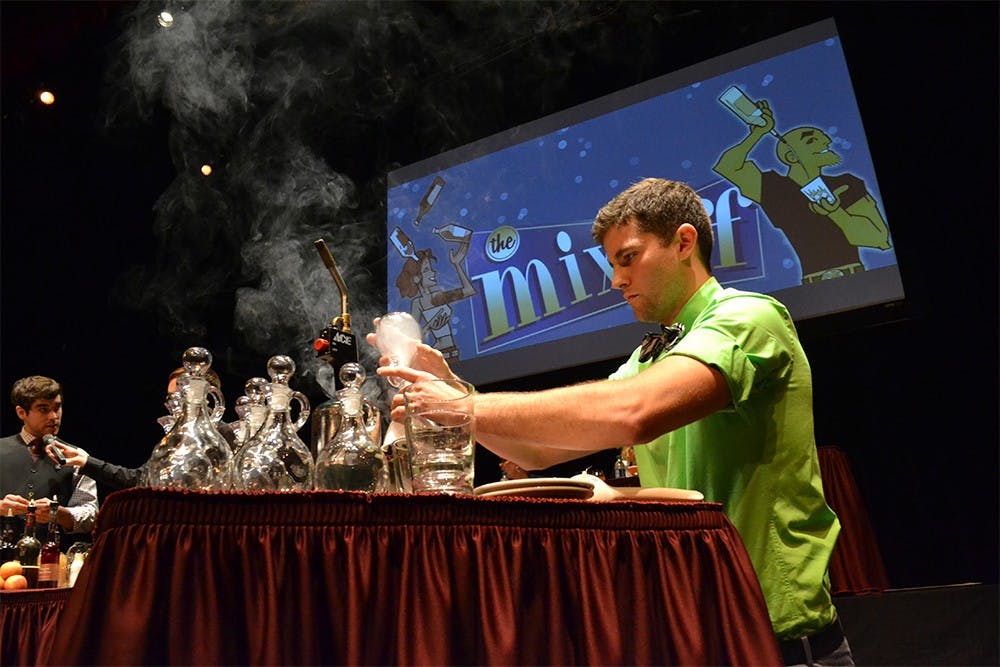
x: 280, y: 368
x: 254, y: 389
x: 352, y: 375
x: 196, y: 361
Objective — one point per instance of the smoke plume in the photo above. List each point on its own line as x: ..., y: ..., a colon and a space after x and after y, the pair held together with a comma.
x: 301, y: 108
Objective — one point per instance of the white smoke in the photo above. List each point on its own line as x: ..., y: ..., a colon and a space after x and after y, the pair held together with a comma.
x: 291, y: 102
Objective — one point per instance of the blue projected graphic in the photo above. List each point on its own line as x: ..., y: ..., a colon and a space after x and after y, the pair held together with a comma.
x: 494, y: 253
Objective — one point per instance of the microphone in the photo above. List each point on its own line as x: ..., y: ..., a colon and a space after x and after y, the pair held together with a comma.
x: 51, y: 440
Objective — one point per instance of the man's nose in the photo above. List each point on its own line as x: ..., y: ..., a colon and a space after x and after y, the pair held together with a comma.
x: 618, y: 280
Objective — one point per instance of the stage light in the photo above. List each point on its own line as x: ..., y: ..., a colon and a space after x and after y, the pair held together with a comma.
x: 206, y: 169
x: 46, y: 97
x: 165, y: 19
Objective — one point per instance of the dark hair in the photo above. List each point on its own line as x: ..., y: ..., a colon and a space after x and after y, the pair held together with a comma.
x: 28, y: 390
x: 405, y: 282
x: 657, y: 206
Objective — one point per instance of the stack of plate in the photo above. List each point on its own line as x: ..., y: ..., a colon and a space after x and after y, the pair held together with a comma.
x: 538, y: 487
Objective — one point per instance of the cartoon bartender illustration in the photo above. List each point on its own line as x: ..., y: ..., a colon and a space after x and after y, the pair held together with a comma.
x: 825, y: 217
x: 418, y: 281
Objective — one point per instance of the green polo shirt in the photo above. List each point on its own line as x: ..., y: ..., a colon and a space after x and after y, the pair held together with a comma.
x: 758, y: 456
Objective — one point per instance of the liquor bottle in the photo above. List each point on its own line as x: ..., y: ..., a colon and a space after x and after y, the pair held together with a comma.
x: 8, y: 538
x: 29, y: 548
x: 352, y: 462
x: 454, y: 233
x: 48, y: 561
x: 430, y: 198
x: 403, y: 244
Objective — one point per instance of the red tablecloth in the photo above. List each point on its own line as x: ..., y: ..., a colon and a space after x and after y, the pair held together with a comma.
x: 330, y: 577
x: 28, y: 624
x: 856, y: 566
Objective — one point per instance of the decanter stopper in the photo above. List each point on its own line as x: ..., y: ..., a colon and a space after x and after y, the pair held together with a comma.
x: 280, y: 368
x: 352, y: 376
x: 196, y: 361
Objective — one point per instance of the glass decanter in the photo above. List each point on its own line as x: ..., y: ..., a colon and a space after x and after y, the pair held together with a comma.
x: 251, y: 408
x: 275, y: 458
x: 192, y: 455
x: 352, y: 461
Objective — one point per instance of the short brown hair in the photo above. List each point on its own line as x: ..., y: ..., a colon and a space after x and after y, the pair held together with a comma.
x: 658, y: 206
x: 28, y: 390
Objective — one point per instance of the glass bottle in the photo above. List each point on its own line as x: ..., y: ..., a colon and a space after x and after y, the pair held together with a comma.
x: 352, y: 462
x: 76, y: 556
x: 275, y: 458
x: 8, y: 538
x: 29, y: 548
x: 454, y: 233
x: 429, y: 199
x: 620, y: 470
x: 192, y: 455
x: 48, y: 560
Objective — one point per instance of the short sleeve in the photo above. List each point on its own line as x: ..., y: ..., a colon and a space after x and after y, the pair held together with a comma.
x: 748, y: 339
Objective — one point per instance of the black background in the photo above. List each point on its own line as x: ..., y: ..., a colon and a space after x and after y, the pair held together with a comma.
x: 910, y: 393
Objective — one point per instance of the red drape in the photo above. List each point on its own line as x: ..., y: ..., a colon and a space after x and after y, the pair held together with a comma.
x: 856, y: 566
x: 28, y: 625
x: 345, y: 578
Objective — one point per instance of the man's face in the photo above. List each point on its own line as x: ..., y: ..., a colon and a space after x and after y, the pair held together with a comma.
x: 44, y: 416
x: 647, y: 272
x: 812, y: 147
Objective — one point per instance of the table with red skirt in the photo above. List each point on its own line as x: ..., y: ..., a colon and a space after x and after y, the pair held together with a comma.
x: 186, y: 577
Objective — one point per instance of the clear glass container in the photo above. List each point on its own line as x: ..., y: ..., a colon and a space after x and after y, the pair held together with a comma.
x: 193, y: 454
x: 351, y: 461
x: 275, y: 458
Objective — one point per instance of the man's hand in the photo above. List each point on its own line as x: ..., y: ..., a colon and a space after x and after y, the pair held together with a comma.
x: 426, y: 358
x: 767, y: 116
x: 825, y: 206
x: 14, y: 504
x: 43, y: 507
x: 74, y: 455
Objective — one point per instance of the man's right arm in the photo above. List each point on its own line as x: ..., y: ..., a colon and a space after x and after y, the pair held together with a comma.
x: 114, y: 476
x: 539, y: 429
x: 735, y: 165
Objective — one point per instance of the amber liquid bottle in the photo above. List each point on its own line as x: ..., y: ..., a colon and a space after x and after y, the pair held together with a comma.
x: 48, y: 561
x: 29, y: 549
x: 429, y: 199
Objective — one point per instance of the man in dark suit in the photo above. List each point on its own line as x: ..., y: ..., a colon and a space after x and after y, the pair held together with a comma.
x: 28, y: 475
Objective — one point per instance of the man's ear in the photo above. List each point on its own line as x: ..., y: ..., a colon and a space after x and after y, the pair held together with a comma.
x: 22, y: 414
x: 687, y: 239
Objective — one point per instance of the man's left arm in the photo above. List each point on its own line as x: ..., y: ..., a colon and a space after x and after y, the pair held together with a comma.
x: 78, y: 515
x: 861, y: 221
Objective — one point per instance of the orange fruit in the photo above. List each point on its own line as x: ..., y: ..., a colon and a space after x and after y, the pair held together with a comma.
x: 15, y: 582
x: 10, y: 568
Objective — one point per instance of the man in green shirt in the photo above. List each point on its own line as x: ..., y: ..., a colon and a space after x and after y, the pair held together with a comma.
x: 725, y: 408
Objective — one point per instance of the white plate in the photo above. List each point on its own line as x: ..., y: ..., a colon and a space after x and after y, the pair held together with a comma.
x: 534, y: 483
x: 551, y: 491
